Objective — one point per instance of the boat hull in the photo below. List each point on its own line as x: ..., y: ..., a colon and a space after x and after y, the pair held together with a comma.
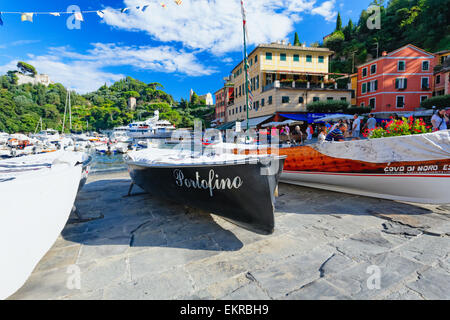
x: 29, y: 228
x: 246, y: 198
x: 414, y: 181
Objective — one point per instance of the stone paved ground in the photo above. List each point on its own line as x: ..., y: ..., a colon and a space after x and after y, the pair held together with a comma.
x: 326, y: 246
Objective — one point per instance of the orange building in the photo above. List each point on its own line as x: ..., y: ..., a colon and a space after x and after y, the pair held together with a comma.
x: 224, y: 97
x: 397, y: 81
x: 442, y: 73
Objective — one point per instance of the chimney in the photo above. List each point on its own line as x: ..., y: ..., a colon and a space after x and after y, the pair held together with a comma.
x: 384, y: 54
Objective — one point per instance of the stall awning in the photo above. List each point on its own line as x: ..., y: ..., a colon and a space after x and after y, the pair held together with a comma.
x: 309, y: 117
x: 226, y: 126
x: 253, y: 122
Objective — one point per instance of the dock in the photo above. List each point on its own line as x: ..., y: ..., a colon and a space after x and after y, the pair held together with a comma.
x: 326, y: 245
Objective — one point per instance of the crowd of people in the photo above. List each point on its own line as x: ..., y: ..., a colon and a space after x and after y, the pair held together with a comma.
x: 349, y: 129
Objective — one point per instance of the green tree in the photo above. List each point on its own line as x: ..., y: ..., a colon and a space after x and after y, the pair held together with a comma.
x: 297, y: 40
x: 338, y: 22
x: 26, y: 68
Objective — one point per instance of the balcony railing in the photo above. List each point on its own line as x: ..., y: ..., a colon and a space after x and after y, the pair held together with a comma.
x: 268, y: 87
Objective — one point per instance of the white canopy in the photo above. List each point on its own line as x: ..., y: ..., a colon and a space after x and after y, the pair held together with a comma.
x: 334, y: 117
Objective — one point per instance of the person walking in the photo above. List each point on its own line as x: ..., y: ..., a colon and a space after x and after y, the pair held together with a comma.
x: 298, y: 133
x: 371, y: 123
x: 439, y: 120
x: 356, y: 126
x: 309, y: 132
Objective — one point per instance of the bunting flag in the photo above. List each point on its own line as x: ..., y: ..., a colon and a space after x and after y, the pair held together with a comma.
x: 244, y: 17
x: 27, y: 16
x: 78, y: 16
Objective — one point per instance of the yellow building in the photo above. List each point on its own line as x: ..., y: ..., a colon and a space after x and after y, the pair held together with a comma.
x: 284, y: 78
x: 354, y: 84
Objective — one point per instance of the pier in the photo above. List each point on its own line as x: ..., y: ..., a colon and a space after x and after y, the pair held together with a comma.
x: 326, y: 245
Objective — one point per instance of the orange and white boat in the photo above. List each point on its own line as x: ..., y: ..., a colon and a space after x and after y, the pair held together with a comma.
x: 414, y: 168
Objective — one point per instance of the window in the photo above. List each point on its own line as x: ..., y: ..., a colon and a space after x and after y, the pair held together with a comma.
x: 423, y: 98
x: 401, y: 83
x: 257, y: 105
x: 300, y: 100
x: 256, y: 59
x: 363, y: 104
x: 282, y: 56
x: 257, y: 82
x: 321, y: 59
x: 308, y: 58
x: 329, y: 98
x: 425, y: 83
x: 285, y: 99
x: 315, y: 99
x: 364, y: 72
x: 373, y: 86
x: 400, y: 102
x: 251, y: 63
x: 425, y: 65
x: 401, y: 66
x: 373, y: 69
x: 262, y: 102
x: 296, y: 58
x: 438, y: 79
x: 364, y: 88
x: 268, y: 55
x: 343, y: 99
x: 372, y: 102
x: 240, y: 109
x: 270, y: 100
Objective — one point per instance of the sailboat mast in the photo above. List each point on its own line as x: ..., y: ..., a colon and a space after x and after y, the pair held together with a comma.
x: 70, y: 113
x: 65, y: 111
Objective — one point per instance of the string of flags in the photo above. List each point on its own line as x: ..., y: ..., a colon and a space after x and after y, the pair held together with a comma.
x: 28, y: 16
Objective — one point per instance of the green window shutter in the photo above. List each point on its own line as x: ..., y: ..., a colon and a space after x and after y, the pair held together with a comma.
x: 397, y: 83
x: 406, y: 83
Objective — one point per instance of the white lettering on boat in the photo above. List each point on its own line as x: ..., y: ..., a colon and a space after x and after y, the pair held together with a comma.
x: 213, y: 182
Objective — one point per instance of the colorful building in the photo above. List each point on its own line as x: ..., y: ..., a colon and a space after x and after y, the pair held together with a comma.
x: 397, y: 81
x: 284, y: 79
x: 224, y: 96
x: 442, y: 73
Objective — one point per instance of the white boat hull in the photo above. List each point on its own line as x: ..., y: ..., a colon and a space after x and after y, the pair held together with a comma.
x: 426, y: 188
x: 35, y: 208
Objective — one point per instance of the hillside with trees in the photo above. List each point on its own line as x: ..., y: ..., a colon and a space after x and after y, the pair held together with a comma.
x: 423, y: 23
x: 22, y: 106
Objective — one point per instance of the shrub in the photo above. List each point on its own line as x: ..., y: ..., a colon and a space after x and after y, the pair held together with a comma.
x: 438, y: 101
x: 332, y: 106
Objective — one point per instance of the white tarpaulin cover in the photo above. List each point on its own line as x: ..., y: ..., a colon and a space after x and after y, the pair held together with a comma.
x: 420, y: 147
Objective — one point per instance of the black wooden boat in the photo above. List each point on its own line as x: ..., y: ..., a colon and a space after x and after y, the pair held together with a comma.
x: 240, y: 191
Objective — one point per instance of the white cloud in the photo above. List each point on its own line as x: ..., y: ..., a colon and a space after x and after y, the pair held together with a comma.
x: 84, y: 72
x: 216, y: 25
x: 326, y: 10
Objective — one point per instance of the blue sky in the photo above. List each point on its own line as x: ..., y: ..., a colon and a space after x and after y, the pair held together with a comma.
x: 193, y: 45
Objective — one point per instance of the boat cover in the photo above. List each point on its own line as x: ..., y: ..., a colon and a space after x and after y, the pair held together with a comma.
x: 420, y: 147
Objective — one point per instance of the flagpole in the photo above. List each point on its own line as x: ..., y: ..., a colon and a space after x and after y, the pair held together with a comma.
x: 245, y: 69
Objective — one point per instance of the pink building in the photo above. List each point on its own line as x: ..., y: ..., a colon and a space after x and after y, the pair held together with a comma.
x: 397, y: 81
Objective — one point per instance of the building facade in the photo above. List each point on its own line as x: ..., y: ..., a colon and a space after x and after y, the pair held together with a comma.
x: 37, y: 79
x: 442, y: 73
x: 284, y: 78
x: 397, y: 81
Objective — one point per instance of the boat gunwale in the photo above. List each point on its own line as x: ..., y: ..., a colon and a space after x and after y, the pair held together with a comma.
x: 256, y: 160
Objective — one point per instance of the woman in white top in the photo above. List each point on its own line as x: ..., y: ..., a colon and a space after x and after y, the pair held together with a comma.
x: 439, y: 120
x: 322, y: 134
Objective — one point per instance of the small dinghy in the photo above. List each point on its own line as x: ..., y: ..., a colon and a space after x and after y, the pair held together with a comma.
x: 37, y: 194
x: 240, y: 188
